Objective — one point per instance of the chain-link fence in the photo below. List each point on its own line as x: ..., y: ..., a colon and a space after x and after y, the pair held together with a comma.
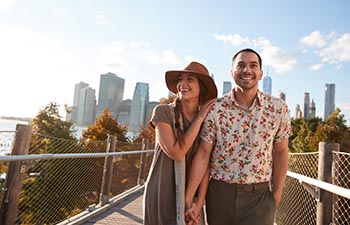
x: 298, y: 206
x: 341, y: 178
x: 56, y: 189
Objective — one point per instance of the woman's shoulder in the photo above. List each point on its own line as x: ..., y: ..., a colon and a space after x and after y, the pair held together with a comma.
x: 162, y: 113
x: 163, y: 107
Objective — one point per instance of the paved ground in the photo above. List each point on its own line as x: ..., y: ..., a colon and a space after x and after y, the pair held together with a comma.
x: 127, y: 212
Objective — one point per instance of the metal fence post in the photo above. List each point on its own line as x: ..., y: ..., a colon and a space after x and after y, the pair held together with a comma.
x: 14, y: 176
x: 325, y: 160
x: 141, y: 177
x: 107, y: 171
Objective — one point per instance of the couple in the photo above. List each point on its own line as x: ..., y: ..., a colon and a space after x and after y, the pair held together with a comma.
x: 239, y: 141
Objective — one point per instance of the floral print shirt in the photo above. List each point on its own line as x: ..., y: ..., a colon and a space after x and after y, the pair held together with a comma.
x: 243, y: 138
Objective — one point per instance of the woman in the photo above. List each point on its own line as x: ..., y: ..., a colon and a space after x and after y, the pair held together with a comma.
x: 177, y: 126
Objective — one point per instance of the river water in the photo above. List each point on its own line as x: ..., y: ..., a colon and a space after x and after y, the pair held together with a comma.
x: 7, y: 134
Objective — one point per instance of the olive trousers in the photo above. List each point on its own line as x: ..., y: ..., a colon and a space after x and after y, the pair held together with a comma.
x: 239, y: 204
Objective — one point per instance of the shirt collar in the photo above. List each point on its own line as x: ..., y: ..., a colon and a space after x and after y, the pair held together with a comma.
x: 257, y: 101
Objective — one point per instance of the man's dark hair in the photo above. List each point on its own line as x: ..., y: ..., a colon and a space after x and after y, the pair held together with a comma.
x: 248, y: 50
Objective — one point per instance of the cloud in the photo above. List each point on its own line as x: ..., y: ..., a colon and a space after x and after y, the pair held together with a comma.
x: 142, y: 44
x: 234, y: 39
x: 113, y: 57
x: 330, y: 48
x: 315, y: 66
x: 171, y: 57
x: 278, y: 59
x: 337, y: 51
x: 189, y: 58
x: 102, y: 20
x: 149, y: 56
x: 315, y: 39
x: 273, y: 56
x: 7, y: 5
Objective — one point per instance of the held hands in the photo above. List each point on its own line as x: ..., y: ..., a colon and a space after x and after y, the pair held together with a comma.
x: 203, y: 109
x: 192, y: 214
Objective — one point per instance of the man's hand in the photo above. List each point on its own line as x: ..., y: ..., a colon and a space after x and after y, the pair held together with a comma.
x: 192, y: 214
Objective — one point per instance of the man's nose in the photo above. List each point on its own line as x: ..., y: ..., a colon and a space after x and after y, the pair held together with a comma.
x: 246, y: 69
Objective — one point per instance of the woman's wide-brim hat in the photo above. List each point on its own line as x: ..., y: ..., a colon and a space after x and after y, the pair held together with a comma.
x: 201, y: 72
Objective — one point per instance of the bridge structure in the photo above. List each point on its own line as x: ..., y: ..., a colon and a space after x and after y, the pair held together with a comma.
x: 103, y: 183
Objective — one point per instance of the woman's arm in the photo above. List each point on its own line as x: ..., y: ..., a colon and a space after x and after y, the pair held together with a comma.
x: 168, y: 141
x: 194, y: 212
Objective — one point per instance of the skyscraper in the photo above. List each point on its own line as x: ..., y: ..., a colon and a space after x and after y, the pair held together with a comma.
x: 312, y: 109
x: 298, y: 113
x: 267, y: 84
x: 306, y: 106
x: 123, y: 112
x: 84, y: 105
x: 138, y: 111
x: 110, y: 93
x: 226, y: 87
x: 329, y: 105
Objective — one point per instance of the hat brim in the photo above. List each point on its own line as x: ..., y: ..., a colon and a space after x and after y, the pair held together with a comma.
x: 172, y: 76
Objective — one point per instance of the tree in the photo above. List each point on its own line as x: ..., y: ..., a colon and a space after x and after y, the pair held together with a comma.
x: 296, y: 125
x: 106, y: 125
x: 333, y: 130
x: 301, y: 142
x: 54, y: 181
x: 49, y: 122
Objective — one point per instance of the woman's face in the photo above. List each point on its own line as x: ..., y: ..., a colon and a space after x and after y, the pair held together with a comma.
x: 188, y: 87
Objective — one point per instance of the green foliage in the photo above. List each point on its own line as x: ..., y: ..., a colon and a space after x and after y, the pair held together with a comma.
x: 301, y: 141
x: 105, y: 125
x: 308, y: 133
x: 55, y: 181
x: 49, y: 122
x: 333, y: 130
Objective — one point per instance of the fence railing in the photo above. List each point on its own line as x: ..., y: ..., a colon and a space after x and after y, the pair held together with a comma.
x: 63, y: 178
x: 69, y: 178
x: 317, y: 188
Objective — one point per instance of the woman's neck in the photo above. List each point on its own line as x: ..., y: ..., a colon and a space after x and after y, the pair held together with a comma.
x: 189, y: 110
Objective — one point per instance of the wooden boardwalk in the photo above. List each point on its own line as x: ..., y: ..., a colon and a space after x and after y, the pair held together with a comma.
x: 128, y: 211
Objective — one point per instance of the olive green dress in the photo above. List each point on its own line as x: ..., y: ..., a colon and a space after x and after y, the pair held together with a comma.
x: 160, y: 198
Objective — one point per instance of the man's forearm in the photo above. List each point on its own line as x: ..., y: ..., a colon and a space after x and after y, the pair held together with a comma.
x: 280, y: 167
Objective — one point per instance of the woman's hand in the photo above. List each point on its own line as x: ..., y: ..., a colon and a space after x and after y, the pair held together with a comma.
x: 204, y: 109
x: 193, y: 214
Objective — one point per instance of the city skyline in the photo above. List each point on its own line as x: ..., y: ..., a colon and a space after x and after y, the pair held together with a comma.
x: 48, y: 47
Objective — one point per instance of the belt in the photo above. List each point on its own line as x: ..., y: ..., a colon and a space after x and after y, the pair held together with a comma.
x: 246, y: 188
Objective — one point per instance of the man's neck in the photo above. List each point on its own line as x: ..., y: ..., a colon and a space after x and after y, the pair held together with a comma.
x: 245, y: 97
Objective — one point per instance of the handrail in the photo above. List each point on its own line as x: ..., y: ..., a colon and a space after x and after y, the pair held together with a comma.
x: 8, y: 158
x: 321, y: 184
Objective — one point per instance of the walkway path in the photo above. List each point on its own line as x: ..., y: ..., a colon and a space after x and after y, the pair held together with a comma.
x: 127, y: 212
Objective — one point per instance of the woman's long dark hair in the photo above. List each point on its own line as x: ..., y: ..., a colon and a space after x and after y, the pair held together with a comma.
x: 180, y: 132
x: 178, y: 110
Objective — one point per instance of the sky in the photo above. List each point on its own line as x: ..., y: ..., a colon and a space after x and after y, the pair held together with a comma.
x: 46, y: 47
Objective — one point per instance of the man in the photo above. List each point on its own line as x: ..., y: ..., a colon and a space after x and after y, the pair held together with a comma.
x: 245, y: 137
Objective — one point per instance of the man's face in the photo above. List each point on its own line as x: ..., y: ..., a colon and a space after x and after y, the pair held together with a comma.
x: 246, y: 70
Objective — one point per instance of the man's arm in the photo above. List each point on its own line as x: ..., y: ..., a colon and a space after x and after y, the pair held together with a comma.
x: 280, y: 167
x: 199, y: 167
